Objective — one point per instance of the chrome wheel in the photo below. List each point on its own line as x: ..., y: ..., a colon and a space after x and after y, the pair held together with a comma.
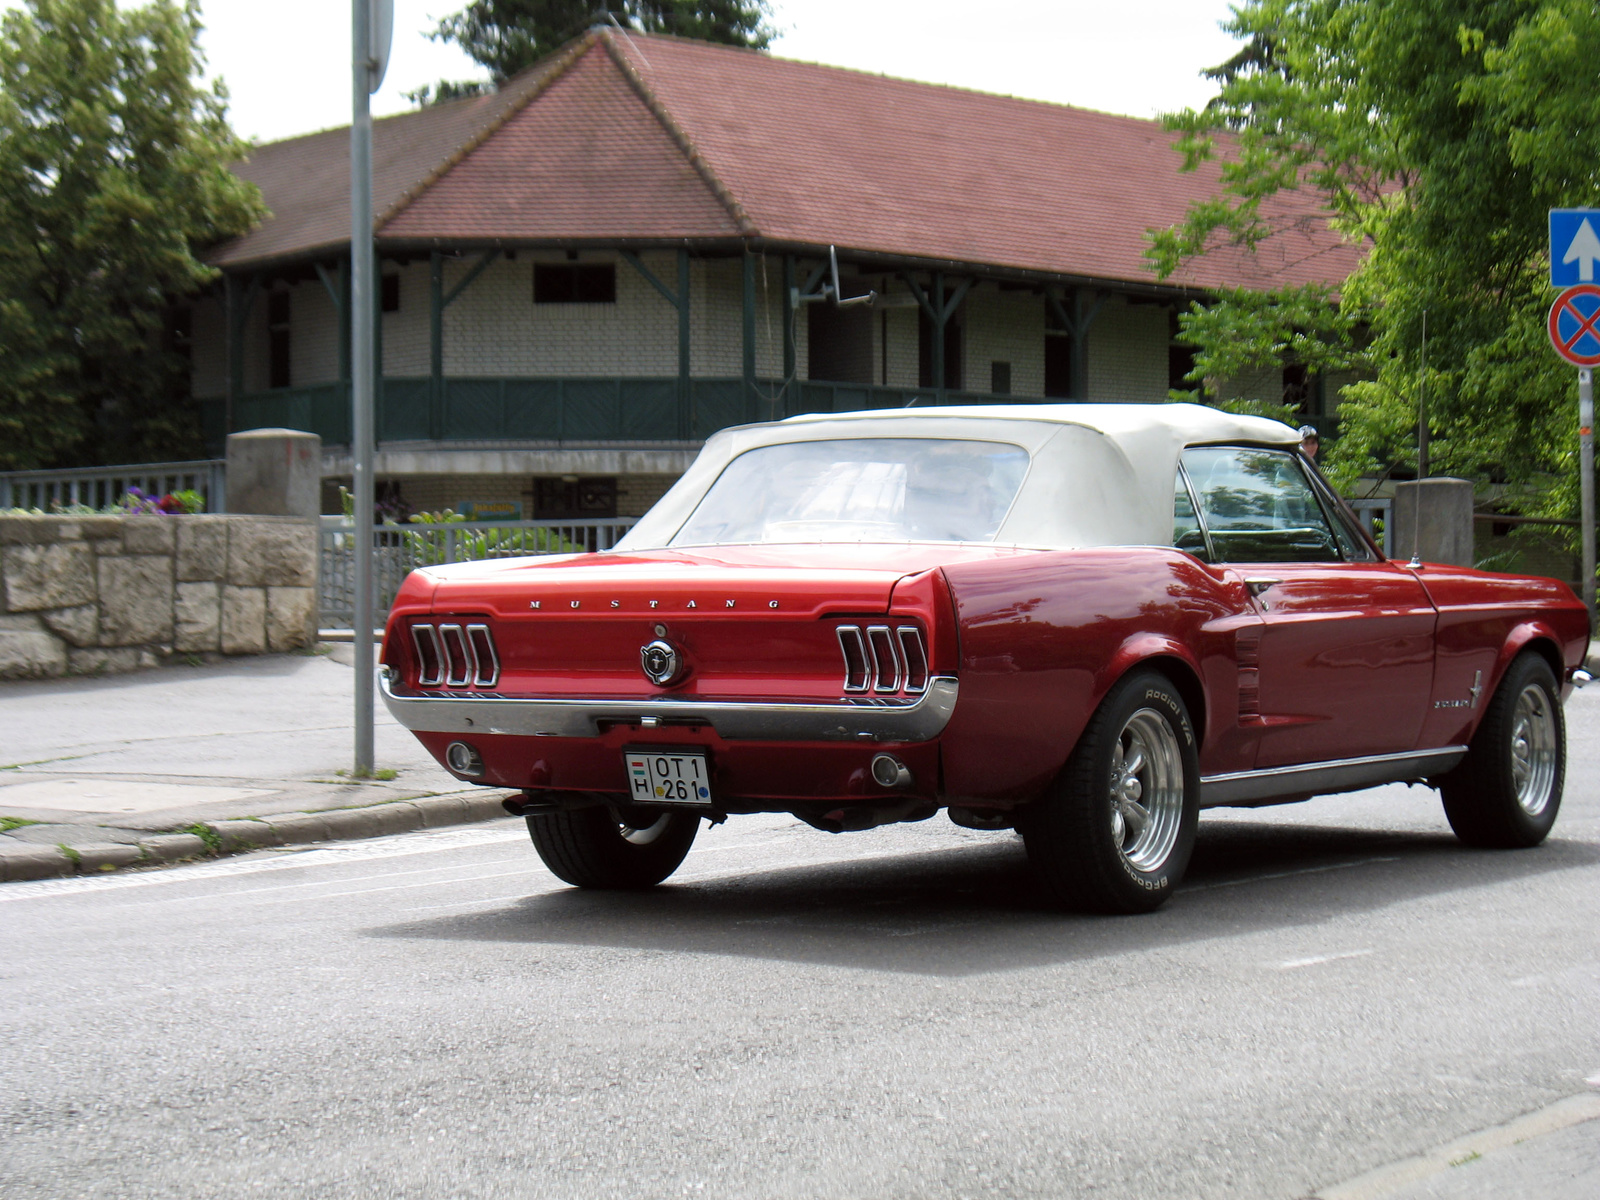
x: 643, y: 835
x: 1534, y: 748
x: 1146, y: 793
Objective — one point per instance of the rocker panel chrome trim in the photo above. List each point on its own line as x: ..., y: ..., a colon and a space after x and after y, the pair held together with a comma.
x: 1321, y: 778
x: 880, y: 721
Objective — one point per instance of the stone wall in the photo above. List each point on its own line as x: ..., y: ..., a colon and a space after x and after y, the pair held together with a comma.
x: 86, y: 595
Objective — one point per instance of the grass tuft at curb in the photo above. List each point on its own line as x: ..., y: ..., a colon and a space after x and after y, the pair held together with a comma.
x: 205, y: 839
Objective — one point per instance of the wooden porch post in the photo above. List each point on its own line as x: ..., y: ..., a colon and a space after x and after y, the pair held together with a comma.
x: 749, y: 332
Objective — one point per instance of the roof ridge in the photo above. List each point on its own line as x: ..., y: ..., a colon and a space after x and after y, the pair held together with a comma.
x: 557, y: 66
x: 707, y: 173
x: 888, y: 77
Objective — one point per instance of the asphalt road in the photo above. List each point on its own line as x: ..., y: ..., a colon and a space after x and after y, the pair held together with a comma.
x: 1338, y: 986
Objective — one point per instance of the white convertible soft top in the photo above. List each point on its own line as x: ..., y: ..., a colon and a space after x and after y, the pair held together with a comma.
x: 1099, y: 474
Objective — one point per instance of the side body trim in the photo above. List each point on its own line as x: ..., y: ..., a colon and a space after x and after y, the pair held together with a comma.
x: 918, y: 720
x: 1246, y: 788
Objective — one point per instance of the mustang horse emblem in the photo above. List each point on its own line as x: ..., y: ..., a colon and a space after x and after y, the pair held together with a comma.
x: 661, y: 662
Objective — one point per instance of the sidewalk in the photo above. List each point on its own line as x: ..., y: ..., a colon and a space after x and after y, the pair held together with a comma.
x: 184, y: 762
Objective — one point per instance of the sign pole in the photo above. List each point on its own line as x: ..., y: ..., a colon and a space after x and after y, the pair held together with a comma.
x: 370, y: 29
x: 1586, y: 479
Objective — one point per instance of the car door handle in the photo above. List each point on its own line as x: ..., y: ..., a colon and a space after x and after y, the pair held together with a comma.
x: 1260, y: 584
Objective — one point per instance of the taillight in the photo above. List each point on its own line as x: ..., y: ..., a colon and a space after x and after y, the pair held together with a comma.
x: 916, y: 658
x: 883, y: 659
x: 455, y: 656
x: 857, y: 673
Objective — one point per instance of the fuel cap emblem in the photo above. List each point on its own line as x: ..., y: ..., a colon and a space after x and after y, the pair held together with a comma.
x: 661, y: 662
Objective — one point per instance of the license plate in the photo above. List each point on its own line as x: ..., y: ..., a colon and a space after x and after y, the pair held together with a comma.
x: 663, y: 777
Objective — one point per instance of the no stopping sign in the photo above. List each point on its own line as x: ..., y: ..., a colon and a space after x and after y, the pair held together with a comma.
x: 1575, y: 325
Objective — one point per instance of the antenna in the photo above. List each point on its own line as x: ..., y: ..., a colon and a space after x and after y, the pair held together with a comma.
x: 838, y: 296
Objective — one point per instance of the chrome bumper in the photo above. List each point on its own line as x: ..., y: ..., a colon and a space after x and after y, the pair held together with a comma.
x: 734, y: 721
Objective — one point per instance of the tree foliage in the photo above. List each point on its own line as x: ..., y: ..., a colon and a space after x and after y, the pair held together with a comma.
x: 113, y: 170
x: 508, y: 36
x: 1436, y: 133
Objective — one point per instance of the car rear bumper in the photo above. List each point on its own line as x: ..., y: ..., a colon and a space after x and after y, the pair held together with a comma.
x: 918, y: 720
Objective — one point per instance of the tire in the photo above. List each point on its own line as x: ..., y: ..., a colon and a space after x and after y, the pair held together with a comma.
x: 620, y: 849
x: 1107, y: 840
x: 1507, y: 791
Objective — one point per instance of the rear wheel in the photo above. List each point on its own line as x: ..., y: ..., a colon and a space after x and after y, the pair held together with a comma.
x: 622, y: 849
x: 1116, y: 830
x: 1507, y: 791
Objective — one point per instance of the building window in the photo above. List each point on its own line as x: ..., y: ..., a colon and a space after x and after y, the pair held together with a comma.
x: 1058, y: 365
x: 839, y: 342
x: 574, y: 283
x: 390, y: 293
x: 1000, y: 378
x: 569, y: 498
x: 1180, y: 357
x: 277, y: 339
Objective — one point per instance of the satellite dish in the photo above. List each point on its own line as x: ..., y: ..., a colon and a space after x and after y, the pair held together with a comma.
x: 380, y: 34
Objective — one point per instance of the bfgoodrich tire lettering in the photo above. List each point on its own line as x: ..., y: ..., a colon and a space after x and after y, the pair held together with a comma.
x: 1507, y: 791
x: 622, y: 849
x: 1115, y: 831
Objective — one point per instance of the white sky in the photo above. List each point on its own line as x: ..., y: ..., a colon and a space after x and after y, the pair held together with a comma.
x: 286, y: 63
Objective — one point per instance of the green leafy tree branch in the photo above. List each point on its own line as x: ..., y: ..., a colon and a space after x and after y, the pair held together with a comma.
x: 1436, y: 133
x: 113, y: 175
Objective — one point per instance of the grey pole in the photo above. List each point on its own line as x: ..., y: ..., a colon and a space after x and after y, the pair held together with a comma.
x: 1586, y: 480
x: 361, y: 368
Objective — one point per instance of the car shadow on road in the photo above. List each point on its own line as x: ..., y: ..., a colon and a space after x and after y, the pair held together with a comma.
x: 972, y: 910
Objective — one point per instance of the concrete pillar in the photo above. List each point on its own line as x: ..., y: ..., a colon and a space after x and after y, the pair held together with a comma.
x: 1433, y: 521
x: 275, y: 473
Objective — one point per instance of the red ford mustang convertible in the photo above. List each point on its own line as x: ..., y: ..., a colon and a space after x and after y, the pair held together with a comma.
x: 1085, y: 621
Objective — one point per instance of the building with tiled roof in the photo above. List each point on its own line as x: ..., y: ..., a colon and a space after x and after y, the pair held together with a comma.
x: 627, y: 247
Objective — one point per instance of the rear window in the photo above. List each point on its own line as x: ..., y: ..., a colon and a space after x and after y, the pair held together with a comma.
x: 860, y: 490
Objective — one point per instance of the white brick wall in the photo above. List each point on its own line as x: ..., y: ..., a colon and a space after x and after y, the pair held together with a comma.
x: 495, y: 329
x: 1128, y: 353
x: 1005, y: 327
x: 313, y: 335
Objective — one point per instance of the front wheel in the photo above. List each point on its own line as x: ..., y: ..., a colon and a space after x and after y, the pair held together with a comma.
x: 1115, y: 832
x: 1507, y: 791
x: 621, y: 849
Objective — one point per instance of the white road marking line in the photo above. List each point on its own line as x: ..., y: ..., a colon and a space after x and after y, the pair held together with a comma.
x: 1385, y: 1181
x: 417, y: 842
x: 212, y: 897
x: 465, y: 903
x: 399, y: 887
x: 1344, y: 866
x: 1294, y: 964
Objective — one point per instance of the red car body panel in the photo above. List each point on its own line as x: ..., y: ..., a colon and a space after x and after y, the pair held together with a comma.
x: 1331, y: 661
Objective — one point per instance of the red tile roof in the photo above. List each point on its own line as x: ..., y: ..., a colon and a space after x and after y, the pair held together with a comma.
x: 645, y: 138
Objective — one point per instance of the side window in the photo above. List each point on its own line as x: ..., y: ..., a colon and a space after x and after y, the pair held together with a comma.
x: 1186, y: 531
x: 1259, y: 506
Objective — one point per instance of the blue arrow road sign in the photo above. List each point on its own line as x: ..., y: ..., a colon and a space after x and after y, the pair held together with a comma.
x: 1574, y: 246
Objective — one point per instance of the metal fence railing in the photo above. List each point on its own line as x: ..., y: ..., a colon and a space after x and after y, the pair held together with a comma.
x: 400, y: 549
x: 1372, y: 510
x: 102, y: 487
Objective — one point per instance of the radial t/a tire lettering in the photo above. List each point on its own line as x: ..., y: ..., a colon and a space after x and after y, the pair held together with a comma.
x: 620, y: 849
x: 1115, y: 832
x: 1507, y: 791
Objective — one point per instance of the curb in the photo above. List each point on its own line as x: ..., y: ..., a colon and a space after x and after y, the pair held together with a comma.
x: 209, y: 839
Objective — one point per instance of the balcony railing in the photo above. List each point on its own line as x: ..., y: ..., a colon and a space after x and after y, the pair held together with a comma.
x: 560, y: 409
